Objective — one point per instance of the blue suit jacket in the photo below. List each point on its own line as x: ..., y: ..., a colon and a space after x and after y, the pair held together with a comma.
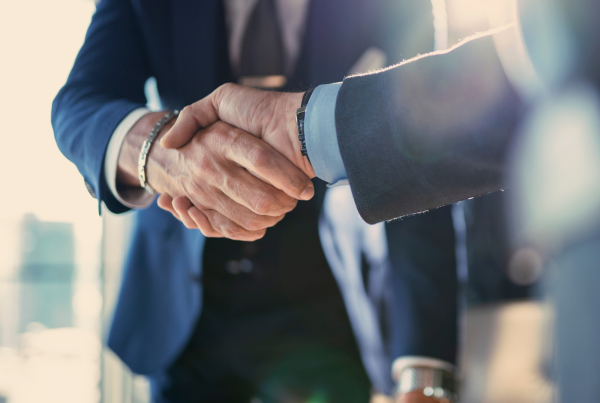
x: 182, y: 43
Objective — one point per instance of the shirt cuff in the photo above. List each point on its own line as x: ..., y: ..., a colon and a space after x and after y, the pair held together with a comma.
x: 321, y: 137
x: 414, y: 361
x: 134, y: 198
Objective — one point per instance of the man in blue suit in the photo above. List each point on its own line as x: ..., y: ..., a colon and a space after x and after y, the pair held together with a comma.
x: 214, y: 319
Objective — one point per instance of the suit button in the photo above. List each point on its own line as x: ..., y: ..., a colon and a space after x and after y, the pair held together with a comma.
x: 233, y: 267
x: 90, y: 189
x: 237, y: 267
x: 246, y: 265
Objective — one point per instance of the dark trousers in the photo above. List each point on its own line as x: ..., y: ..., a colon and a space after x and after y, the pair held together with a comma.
x: 273, y: 325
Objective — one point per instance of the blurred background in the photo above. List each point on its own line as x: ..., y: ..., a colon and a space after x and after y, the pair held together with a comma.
x: 60, y: 262
x: 50, y: 280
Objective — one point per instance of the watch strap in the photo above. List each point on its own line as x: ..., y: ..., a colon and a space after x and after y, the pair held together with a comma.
x: 300, y: 116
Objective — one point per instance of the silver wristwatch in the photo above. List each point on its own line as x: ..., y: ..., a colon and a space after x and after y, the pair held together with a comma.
x: 434, y: 378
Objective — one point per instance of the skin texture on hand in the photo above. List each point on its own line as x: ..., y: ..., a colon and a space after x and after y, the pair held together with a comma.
x: 212, y: 173
x: 268, y: 115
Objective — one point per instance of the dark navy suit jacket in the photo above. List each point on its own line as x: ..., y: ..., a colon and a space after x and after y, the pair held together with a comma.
x: 428, y: 133
x: 182, y: 43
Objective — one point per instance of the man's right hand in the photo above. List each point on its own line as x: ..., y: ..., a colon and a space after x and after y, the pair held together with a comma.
x: 214, y: 171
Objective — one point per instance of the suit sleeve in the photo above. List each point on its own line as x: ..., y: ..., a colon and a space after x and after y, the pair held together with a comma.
x: 423, y: 299
x: 428, y: 132
x: 106, y: 83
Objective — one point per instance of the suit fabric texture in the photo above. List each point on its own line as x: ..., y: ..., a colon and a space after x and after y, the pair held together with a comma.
x: 427, y: 133
x: 183, y: 45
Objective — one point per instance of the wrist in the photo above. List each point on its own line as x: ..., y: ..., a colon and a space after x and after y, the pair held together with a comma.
x: 157, y: 158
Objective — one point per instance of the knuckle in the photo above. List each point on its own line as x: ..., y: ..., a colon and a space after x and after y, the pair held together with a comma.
x: 209, y: 233
x: 237, y: 140
x: 205, y: 167
x: 231, y: 231
x: 261, y: 234
x: 256, y: 235
x: 259, y: 157
x: 218, y: 136
x: 220, y: 127
x: 254, y: 223
x: 224, y: 88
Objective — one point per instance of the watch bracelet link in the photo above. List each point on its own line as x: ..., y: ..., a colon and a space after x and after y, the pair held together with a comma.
x: 142, y: 159
x: 433, y: 382
x: 300, y: 115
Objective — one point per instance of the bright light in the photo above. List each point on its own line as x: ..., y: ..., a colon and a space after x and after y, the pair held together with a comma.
x: 467, y: 16
x: 39, y: 40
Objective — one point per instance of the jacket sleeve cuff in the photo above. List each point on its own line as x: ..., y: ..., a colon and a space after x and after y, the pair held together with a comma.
x: 131, y: 197
x: 321, y: 136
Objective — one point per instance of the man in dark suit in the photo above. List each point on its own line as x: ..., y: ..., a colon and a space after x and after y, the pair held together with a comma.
x: 438, y: 129
x: 211, y: 319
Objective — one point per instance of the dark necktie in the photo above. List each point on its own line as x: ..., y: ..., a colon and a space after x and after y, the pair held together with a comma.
x: 262, y: 52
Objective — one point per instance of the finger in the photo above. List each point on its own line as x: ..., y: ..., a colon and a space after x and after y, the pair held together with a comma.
x: 239, y: 214
x: 225, y: 173
x: 257, y: 156
x: 230, y: 229
x: 255, y: 194
x: 208, y: 110
x: 181, y: 205
x: 203, y: 223
x: 165, y: 202
x: 190, y: 120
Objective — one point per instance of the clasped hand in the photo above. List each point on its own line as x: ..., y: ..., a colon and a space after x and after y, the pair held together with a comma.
x: 239, y: 168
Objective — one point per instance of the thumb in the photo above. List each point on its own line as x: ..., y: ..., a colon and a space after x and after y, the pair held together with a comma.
x: 191, y: 119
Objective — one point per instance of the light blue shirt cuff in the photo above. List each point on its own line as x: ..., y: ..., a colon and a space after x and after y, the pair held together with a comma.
x: 321, y: 136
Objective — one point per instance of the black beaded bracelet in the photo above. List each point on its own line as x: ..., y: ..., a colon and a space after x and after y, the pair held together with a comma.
x: 300, y: 114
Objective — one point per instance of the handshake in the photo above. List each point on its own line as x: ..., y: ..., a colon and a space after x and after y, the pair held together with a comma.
x: 231, y: 165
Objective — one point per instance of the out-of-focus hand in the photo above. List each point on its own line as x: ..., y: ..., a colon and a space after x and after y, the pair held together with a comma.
x: 267, y: 115
x: 211, y: 176
x: 416, y: 397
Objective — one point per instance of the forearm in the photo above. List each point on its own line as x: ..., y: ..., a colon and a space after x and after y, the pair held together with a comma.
x: 98, y: 94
